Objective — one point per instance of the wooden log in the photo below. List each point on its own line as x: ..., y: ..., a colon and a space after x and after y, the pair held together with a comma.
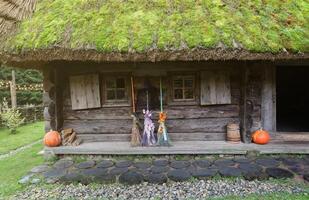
x: 199, y: 125
x: 173, y: 125
x: 174, y: 137
x: 67, y: 131
x: 99, y: 126
x: 77, y: 142
x: 175, y: 112
x: 290, y: 137
x: 71, y: 138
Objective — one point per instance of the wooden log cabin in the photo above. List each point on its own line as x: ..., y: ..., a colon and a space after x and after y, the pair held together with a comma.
x: 219, y: 62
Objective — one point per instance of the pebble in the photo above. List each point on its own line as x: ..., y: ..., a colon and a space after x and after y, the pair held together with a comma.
x: 198, y: 189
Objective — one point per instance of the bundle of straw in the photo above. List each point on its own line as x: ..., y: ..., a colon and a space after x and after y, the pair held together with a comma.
x: 163, y: 138
x: 135, y: 134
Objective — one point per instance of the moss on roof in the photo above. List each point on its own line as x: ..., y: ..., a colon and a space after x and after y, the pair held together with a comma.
x: 141, y: 25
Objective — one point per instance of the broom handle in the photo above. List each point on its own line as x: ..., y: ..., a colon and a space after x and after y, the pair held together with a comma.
x: 133, y: 94
x: 161, y: 95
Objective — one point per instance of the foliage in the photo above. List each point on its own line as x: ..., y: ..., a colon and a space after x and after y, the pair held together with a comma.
x: 16, y: 166
x: 11, y: 117
x: 118, y: 25
x: 23, y: 77
x: 26, y: 134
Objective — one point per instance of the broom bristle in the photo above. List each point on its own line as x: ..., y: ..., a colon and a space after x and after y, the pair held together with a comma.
x: 135, y: 138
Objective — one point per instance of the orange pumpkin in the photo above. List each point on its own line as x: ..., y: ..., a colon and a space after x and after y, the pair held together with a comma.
x: 52, y: 139
x: 260, y: 137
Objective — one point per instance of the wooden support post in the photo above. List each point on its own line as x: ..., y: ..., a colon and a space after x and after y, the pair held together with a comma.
x: 243, y: 107
x: 58, y: 99
x: 269, y: 98
x: 13, y: 90
x: 251, y: 99
x: 52, y: 98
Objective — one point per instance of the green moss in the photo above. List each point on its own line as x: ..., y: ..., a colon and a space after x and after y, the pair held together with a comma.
x: 109, y: 25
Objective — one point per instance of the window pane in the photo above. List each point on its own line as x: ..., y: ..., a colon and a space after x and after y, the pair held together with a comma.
x: 189, y: 83
x: 177, y: 83
x: 178, y: 94
x: 110, y: 95
x: 110, y: 83
x: 188, y: 93
x: 120, y: 94
x: 120, y: 83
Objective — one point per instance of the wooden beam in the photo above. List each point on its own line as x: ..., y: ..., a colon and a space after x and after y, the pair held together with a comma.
x: 243, y: 107
x: 268, y: 105
x: 58, y: 98
x: 184, y: 147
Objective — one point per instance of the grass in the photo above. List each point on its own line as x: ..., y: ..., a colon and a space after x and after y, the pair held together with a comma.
x: 25, y: 135
x: 271, y: 196
x: 14, y: 167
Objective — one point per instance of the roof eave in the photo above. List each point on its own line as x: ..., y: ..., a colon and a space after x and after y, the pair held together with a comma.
x: 56, y: 54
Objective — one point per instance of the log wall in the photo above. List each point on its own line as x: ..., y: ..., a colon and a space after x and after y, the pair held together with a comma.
x: 185, y: 122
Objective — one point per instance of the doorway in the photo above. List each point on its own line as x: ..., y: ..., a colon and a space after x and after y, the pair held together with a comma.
x: 292, y: 98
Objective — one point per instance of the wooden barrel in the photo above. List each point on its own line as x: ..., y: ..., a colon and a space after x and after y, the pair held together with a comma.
x: 233, y: 133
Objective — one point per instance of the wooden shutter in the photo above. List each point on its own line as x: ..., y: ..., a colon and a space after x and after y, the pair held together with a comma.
x: 85, y: 91
x: 215, y: 88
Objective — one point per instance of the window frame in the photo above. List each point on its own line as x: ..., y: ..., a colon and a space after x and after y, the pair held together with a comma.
x: 116, y: 102
x: 183, y: 75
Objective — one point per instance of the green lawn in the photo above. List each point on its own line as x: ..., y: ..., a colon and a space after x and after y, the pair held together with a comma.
x: 272, y: 196
x: 16, y: 166
x: 25, y: 135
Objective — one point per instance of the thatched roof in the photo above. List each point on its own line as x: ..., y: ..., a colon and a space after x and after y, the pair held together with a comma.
x: 142, y: 30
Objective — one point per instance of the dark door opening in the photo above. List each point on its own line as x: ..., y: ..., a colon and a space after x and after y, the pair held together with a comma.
x: 292, y: 98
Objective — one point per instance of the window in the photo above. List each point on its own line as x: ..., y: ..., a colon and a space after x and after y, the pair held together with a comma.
x: 115, y: 90
x: 183, y: 88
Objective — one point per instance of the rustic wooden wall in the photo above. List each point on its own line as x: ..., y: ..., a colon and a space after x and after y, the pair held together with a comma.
x: 190, y: 122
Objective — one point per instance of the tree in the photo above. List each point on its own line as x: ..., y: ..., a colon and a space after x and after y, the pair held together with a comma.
x: 23, y: 77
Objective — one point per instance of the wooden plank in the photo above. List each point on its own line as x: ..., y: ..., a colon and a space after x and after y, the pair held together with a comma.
x: 85, y: 91
x: 176, y: 112
x: 268, y: 99
x: 173, y: 136
x: 181, y: 147
x: 208, y: 88
x: 78, y: 99
x: 92, y: 90
x: 223, y: 88
x: 215, y: 87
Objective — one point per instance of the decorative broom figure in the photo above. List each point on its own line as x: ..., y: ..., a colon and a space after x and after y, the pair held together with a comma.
x: 163, y: 138
x: 135, y: 135
x: 149, y: 138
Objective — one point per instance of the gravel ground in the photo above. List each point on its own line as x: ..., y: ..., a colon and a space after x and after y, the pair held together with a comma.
x: 173, y: 190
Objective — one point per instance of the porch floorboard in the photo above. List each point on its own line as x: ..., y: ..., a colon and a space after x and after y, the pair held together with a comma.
x: 181, y: 147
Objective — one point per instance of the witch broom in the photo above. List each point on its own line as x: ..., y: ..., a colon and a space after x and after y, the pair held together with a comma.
x: 163, y: 138
x: 149, y: 138
x: 135, y: 135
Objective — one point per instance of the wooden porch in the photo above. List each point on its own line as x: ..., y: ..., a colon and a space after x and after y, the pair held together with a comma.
x: 181, y: 147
